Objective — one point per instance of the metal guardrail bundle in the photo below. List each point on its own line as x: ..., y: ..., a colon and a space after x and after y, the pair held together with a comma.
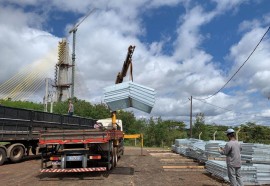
x: 182, y: 146
x: 263, y: 173
x: 197, y: 151
x: 219, y: 169
x: 211, y: 149
x: 129, y: 94
x: 255, y: 157
x: 256, y: 153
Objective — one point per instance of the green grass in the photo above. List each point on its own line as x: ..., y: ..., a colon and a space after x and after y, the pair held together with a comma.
x: 4, y: 143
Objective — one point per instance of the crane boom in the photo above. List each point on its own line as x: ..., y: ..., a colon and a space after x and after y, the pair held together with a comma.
x: 74, y: 29
x: 127, y: 63
x: 121, y: 75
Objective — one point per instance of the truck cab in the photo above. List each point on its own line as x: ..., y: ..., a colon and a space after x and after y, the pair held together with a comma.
x: 107, y: 123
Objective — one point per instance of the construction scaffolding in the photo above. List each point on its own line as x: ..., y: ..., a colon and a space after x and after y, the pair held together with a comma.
x: 62, y: 72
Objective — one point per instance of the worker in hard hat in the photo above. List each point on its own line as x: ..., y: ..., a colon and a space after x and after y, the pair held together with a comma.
x: 233, y: 158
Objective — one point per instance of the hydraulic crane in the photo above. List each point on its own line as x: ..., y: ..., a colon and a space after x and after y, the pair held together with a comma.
x: 122, y: 74
x: 126, y: 65
x: 119, y: 79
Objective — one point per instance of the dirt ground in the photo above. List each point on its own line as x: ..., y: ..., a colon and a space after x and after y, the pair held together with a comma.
x: 132, y: 169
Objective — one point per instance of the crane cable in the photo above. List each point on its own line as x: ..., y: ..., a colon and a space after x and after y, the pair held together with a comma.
x: 238, y: 68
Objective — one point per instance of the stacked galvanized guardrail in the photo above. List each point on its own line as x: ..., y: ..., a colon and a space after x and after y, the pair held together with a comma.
x: 211, y: 149
x: 219, y: 169
x: 255, y: 158
x: 181, y: 145
x: 129, y: 94
x: 196, y: 151
x: 256, y: 153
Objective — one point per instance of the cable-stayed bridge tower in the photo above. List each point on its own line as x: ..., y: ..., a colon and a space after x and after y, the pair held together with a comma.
x: 62, y: 72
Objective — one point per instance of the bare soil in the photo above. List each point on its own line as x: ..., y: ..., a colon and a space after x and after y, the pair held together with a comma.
x: 132, y: 169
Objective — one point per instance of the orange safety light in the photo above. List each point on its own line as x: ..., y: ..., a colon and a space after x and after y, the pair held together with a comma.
x: 95, y: 157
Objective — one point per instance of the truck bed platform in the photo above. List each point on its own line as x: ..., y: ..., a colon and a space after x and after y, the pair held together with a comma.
x: 51, y: 137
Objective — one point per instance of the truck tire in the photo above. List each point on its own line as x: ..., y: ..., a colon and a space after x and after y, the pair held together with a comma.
x: 3, y: 156
x: 115, y: 156
x: 111, y: 163
x: 34, y: 150
x: 112, y: 160
x: 16, y: 152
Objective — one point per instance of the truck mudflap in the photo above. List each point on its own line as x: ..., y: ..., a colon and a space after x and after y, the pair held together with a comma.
x: 92, y: 169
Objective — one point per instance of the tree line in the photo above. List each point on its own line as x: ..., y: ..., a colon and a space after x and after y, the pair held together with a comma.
x: 157, y: 132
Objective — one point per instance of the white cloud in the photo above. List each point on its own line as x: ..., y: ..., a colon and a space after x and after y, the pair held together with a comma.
x: 24, y: 44
x: 228, y: 4
x: 255, y: 70
x: 101, y: 47
x: 16, y: 18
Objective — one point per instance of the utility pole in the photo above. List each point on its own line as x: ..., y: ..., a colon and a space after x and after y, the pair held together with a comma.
x: 46, y: 95
x: 52, y: 96
x: 190, y: 116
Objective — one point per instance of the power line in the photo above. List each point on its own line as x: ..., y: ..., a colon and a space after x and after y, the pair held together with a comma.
x: 252, y: 114
x: 214, y: 105
x: 238, y: 68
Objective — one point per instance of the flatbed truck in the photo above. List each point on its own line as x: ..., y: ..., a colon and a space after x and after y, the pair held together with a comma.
x: 20, y: 130
x: 81, y: 150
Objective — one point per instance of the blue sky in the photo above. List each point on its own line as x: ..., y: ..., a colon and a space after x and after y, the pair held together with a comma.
x: 183, y: 48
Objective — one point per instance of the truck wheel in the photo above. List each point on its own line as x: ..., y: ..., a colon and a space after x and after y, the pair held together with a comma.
x: 34, y: 150
x: 3, y: 156
x: 16, y: 153
x: 112, y: 159
x: 115, y: 156
x: 111, y: 162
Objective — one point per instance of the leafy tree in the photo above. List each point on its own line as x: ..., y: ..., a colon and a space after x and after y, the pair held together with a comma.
x: 163, y: 133
x: 84, y: 109
x: 172, y: 130
x: 252, y: 133
x: 149, y: 134
x: 156, y: 131
x: 199, y: 126
x: 22, y: 104
x: 128, y: 120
